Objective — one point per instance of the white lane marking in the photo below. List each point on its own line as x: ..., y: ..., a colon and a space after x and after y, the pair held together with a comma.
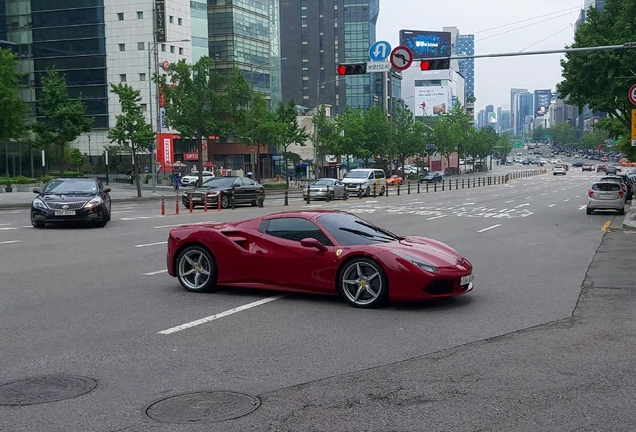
x: 371, y: 202
x: 27, y: 226
x: 144, y: 217
x: 543, y: 194
x: 5, y: 224
x: 181, y: 224
x: 151, y: 244
x: 528, y: 197
x: 155, y: 272
x: 220, y: 315
x: 509, y: 201
x: 123, y: 211
x: 551, y: 205
x: 11, y: 242
x: 496, y: 195
x: 523, y: 205
x: 566, y: 200
x: 436, y: 217
x: 489, y: 228
x: 468, y: 203
x: 582, y: 207
x: 578, y: 196
x: 7, y: 229
x: 125, y: 219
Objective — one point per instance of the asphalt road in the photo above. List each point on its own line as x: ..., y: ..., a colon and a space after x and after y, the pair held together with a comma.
x: 92, y: 302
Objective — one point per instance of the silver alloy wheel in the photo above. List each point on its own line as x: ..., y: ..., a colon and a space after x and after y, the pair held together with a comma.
x: 362, y: 283
x: 194, y: 269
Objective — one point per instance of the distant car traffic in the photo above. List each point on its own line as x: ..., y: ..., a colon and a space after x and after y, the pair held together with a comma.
x: 321, y: 252
x: 318, y: 189
x: 431, y: 177
x: 587, y: 167
x: 394, y: 180
x: 577, y: 164
x: 246, y: 191
x: 192, y: 178
x: 78, y: 200
x: 606, y: 195
x: 601, y: 167
x: 559, y: 170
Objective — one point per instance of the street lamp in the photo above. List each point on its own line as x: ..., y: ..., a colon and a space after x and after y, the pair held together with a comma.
x: 152, y: 47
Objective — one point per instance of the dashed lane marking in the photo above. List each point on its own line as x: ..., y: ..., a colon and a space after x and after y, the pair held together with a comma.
x: 155, y: 272
x: 551, y: 205
x: 10, y: 242
x: 151, y: 244
x: 489, y: 228
x: 8, y: 228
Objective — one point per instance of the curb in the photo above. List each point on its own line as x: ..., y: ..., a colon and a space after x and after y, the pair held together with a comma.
x: 629, y: 221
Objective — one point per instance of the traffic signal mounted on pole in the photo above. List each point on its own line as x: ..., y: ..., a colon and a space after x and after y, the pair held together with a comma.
x: 352, y: 69
x: 440, y: 64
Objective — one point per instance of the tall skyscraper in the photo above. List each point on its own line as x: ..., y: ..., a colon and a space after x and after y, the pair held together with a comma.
x: 465, y: 44
x: 245, y: 35
x: 313, y: 50
x: 513, y: 107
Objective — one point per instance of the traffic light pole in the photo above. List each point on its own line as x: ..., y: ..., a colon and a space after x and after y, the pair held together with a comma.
x: 628, y: 45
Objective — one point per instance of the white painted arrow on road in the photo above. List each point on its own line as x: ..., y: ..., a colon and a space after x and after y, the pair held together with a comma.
x: 522, y: 205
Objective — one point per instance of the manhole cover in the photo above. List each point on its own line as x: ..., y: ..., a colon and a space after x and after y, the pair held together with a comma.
x: 202, y: 407
x: 44, y: 389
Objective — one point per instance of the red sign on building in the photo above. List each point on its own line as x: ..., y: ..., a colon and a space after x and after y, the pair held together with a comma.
x: 191, y: 156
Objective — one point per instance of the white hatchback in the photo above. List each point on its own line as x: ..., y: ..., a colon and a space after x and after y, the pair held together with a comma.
x: 191, y: 179
x: 558, y: 169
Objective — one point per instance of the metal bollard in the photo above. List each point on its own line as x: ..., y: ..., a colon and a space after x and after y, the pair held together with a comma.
x: 435, y: 187
x: 328, y: 196
x: 398, y: 189
x: 489, y: 181
x: 360, y: 192
x: 456, y: 184
x: 205, y: 203
x: 374, y: 190
x: 232, y: 198
x: 426, y: 187
x: 450, y: 184
x: 191, y: 205
x: 308, y: 195
x: 463, y: 183
x: 261, y: 197
x: 408, y: 187
x: 386, y: 190
x: 218, y: 201
x: 177, y: 204
x: 443, y: 183
x: 473, y: 182
x: 286, y: 197
x: 418, y: 186
x: 163, y: 205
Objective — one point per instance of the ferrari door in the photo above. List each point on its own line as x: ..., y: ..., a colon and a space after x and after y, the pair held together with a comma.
x: 293, y: 266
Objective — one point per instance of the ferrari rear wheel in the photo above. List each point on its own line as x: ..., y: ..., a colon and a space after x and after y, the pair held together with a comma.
x: 363, y: 283
x: 196, y: 269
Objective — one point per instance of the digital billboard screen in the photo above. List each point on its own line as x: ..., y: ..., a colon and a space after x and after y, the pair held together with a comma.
x: 426, y: 44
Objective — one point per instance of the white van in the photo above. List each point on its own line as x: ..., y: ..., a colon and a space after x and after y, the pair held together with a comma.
x: 361, y: 180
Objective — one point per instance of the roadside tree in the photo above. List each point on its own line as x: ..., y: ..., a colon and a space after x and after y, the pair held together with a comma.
x: 201, y: 102
x: 63, y: 119
x: 13, y: 110
x: 591, y: 140
x: 350, y: 128
x: 377, y: 134
x: 325, y: 137
x: 131, y: 132
x: 290, y: 132
x: 407, y: 138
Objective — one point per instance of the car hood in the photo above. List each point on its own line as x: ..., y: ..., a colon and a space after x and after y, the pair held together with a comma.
x: 204, y: 190
x: 431, y: 251
x: 354, y: 180
x: 65, y: 197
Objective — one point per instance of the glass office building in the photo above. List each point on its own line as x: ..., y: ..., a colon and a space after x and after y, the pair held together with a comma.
x: 245, y: 34
x: 199, y: 28
x: 465, y: 44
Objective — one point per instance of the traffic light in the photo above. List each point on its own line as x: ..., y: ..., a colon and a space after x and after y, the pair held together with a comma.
x: 352, y: 69
x: 599, y: 147
x: 440, y: 64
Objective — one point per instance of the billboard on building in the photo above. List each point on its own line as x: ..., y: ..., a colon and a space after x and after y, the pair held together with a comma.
x: 492, y: 118
x: 426, y: 44
x: 433, y: 101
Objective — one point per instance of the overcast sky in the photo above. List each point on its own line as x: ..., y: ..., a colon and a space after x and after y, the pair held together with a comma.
x: 552, y: 20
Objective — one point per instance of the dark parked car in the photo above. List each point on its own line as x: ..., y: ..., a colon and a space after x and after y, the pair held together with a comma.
x: 246, y: 191
x: 577, y: 164
x: 431, y: 177
x: 71, y: 200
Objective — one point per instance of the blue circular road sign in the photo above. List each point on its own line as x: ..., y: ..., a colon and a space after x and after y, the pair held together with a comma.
x: 380, y: 51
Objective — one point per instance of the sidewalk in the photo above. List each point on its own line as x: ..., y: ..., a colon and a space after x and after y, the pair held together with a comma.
x: 629, y: 222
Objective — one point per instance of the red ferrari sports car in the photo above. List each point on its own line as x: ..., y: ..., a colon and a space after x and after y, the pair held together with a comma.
x: 326, y: 252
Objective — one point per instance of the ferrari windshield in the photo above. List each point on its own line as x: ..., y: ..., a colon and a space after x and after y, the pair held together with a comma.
x: 73, y: 186
x: 350, y: 230
x: 220, y: 182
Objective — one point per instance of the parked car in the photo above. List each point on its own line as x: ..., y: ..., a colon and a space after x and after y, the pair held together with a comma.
x: 83, y: 200
x: 431, y: 177
x: 246, y: 191
x: 394, y: 180
x: 320, y: 252
x: 577, y: 164
x: 362, y: 181
x: 192, y: 178
x: 606, y: 195
x: 318, y: 189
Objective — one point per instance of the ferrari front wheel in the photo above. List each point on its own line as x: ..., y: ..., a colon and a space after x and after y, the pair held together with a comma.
x: 196, y: 269
x: 363, y: 283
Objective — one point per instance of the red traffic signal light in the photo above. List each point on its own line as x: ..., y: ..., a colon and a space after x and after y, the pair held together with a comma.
x: 441, y: 64
x: 352, y: 69
x: 600, y: 147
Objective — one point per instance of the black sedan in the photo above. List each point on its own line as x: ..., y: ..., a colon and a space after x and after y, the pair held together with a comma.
x: 244, y: 190
x: 71, y: 200
x: 431, y: 177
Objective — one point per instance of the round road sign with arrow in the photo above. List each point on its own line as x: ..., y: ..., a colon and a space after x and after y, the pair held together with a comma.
x: 401, y: 58
x: 632, y: 94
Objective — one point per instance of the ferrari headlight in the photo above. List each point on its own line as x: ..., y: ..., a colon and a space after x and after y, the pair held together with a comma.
x: 97, y: 201
x: 418, y: 262
x: 38, y: 203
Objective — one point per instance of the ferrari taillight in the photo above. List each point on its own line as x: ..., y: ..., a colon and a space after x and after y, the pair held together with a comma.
x: 590, y: 193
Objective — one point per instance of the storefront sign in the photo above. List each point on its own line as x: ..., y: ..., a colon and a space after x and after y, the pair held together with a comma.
x: 191, y: 156
x: 167, y: 150
x: 160, y: 9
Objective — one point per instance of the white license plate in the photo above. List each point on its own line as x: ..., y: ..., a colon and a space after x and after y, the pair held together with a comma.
x: 65, y: 213
x: 465, y: 280
x: 197, y: 199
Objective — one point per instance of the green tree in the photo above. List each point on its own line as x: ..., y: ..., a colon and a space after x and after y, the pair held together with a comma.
x: 443, y: 137
x: 291, y: 133
x: 13, y: 110
x: 350, y: 128
x: 325, y: 136
x: 504, y: 146
x: 460, y: 125
x: 480, y: 143
x: 562, y: 133
x: 131, y: 132
x: 377, y: 134
x: 74, y: 157
x: 407, y: 138
x: 591, y: 140
x: 201, y: 102
x: 63, y: 119
x: 597, y: 78
x: 539, y: 133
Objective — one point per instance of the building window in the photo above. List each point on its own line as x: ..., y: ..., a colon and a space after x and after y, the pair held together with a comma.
x: 171, y: 19
x: 163, y: 47
x: 140, y: 14
x: 172, y: 49
x: 141, y: 46
x: 144, y: 107
x: 122, y: 77
x: 120, y: 16
x: 180, y: 21
x: 122, y: 47
x: 142, y: 77
x: 180, y: 51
